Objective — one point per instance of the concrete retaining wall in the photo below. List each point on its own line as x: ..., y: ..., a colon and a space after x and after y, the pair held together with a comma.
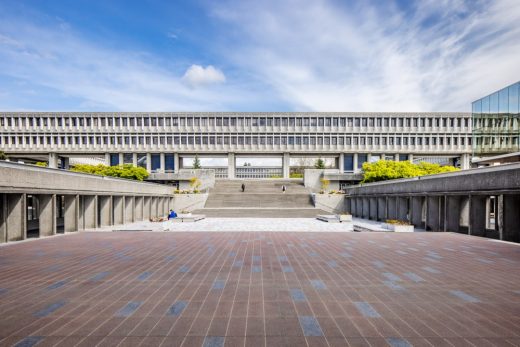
x: 333, y: 203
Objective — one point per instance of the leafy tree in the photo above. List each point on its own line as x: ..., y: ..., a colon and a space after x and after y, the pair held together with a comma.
x: 122, y: 171
x: 324, y: 183
x: 196, y: 162
x: 383, y: 170
x: 320, y: 164
x: 3, y: 156
x: 195, y: 183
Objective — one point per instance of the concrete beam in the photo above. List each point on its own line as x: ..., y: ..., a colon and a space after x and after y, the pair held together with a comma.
x: 105, y: 210
x: 89, y: 211
x: 129, y: 209
x: 47, y: 216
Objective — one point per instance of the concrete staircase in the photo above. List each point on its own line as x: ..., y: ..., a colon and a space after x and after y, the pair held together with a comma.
x: 261, y: 199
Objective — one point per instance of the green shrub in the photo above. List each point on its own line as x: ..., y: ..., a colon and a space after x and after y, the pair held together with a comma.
x: 296, y: 175
x: 122, y: 171
x: 41, y: 163
x: 384, y: 170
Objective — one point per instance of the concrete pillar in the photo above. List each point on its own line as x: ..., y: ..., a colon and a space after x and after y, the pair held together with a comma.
x: 105, y: 210
x: 47, y: 217
x: 231, y: 165
x: 511, y: 218
x: 71, y: 218
x: 410, y: 157
x: 341, y: 162
x: 147, y: 207
x: 3, y: 215
x: 148, y: 162
x: 107, y: 159
x: 121, y: 158
x: 170, y: 203
x: 286, y: 165
x: 356, y: 163
x: 396, y: 157
x: 53, y: 160
x: 381, y: 209
x: 139, y: 207
x: 153, y: 209
x: 453, y: 215
x: 464, y: 216
x: 477, y: 215
x: 89, y: 211
x: 176, y: 166
x: 417, y: 208
x: 435, y: 213
x: 372, y: 208
x: 162, y: 162
x: 15, y: 225
x: 118, y: 209
x: 465, y: 161
x: 391, y: 207
x: 403, y: 212
x: 366, y: 208
x: 129, y: 209
x: 134, y: 159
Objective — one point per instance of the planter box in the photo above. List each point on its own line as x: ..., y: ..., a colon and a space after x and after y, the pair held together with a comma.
x: 398, y: 228
x: 345, y: 218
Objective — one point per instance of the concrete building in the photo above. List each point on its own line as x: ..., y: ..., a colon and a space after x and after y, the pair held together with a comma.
x: 162, y: 142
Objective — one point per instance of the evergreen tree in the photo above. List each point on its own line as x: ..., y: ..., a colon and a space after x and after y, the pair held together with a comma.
x: 3, y: 156
x: 196, y: 162
x: 320, y: 164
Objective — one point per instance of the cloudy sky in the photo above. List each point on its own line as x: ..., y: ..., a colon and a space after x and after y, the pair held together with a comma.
x: 239, y: 55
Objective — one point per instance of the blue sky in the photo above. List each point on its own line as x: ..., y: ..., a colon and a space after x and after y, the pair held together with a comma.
x: 236, y: 55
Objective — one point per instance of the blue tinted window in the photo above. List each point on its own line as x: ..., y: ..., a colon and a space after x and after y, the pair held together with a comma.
x: 514, y: 92
x: 493, y: 103
x: 485, y: 105
x: 477, y: 106
x: 114, y: 159
x: 169, y: 162
x: 503, y: 100
x: 403, y: 157
x: 156, y: 162
x: 362, y: 158
x: 348, y: 162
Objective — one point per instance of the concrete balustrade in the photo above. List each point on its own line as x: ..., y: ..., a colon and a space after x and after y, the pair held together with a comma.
x: 89, y: 201
x: 481, y: 202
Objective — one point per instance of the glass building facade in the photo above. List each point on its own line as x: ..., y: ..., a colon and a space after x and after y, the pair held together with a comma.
x: 496, y: 122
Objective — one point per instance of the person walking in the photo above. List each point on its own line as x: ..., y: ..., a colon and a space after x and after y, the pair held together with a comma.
x: 283, y: 188
x: 243, y: 187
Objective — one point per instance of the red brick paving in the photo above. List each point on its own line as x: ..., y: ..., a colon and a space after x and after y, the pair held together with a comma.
x: 426, y: 289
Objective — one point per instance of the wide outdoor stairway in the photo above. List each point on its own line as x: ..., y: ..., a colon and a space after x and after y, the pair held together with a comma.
x: 262, y: 199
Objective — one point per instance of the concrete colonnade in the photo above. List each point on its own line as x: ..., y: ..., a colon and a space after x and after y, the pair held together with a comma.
x: 489, y: 215
x: 75, y: 212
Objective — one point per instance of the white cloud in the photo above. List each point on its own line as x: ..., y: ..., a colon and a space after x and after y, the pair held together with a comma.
x: 319, y: 56
x: 197, y: 76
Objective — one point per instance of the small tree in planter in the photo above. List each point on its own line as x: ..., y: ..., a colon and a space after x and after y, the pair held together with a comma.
x: 324, y: 185
x: 195, y: 184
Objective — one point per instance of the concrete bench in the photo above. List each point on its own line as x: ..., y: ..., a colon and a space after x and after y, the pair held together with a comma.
x: 334, y: 218
x: 188, y: 218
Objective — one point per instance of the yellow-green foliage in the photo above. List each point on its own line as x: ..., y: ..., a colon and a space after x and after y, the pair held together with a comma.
x: 194, y: 183
x: 122, y: 171
x: 324, y: 183
x: 41, y: 163
x: 296, y: 175
x: 383, y: 170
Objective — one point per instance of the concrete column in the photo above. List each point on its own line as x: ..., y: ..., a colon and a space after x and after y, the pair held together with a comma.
x: 148, y: 162
x: 465, y: 161
x: 396, y: 157
x: 453, y: 216
x: 359, y: 207
x: 139, y: 207
x: 107, y: 159
x: 121, y: 159
x: 286, y: 165
x: 71, y: 218
x: 372, y: 208
x: 129, y: 209
x: 89, y: 211
x: 417, y: 208
x: 403, y: 208
x: 381, y: 209
x: 410, y: 158
x: 147, y: 207
x: 511, y: 218
x: 231, y: 165
x: 134, y: 159
x: 162, y: 162
x: 118, y: 209
x: 53, y: 160
x: 391, y: 207
x: 170, y: 203
x: 15, y: 217
x: 47, y: 217
x: 3, y: 215
x: 356, y: 163
x: 153, y: 209
x: 341, y: 162
x: 366, y: 208
x: 105, y: 210
x: 464, y: 216
x: 435, y: 214
x: 176, y: 166
x: 477, y: 215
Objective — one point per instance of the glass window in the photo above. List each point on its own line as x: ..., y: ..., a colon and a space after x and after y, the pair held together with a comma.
x: 156, y: 161
x: 503, y: 100
x: 114, y: 159
x: 514, y: 92
x: 348, y: 162
x: 128, y: 158
x: 493, y: 103
x: 362, y: 158
x: 169, y: 162
x: 141, y: 159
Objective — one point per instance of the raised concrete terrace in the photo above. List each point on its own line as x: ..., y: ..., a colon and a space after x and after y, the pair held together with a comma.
x: 260, y: 289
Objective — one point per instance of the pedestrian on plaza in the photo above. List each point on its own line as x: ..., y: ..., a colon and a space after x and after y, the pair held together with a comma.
x: 243, y: 187
x: 283, y: 188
